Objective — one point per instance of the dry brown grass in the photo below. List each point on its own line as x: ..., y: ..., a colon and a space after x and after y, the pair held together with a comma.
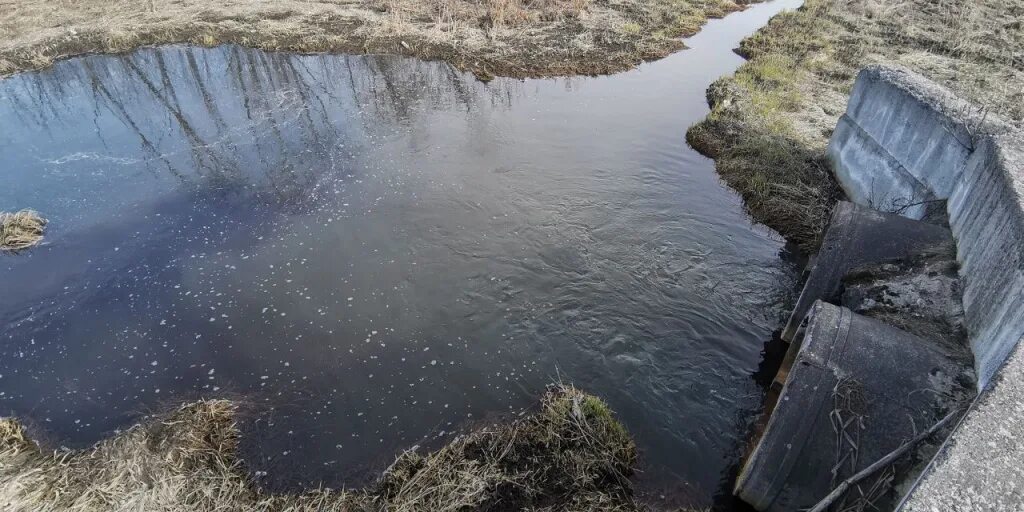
x: 21, y: 230
x: 505, y: 37
x: 571, y: 455
x: 771, y: 121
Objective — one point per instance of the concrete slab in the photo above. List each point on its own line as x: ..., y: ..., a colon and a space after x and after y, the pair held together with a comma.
x: 857, y: 389
x: 981, y: 467
x: 920, y: 295
x: 857, y: 236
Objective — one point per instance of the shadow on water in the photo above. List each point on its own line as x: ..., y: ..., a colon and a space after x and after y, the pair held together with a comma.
x: 377, y: 252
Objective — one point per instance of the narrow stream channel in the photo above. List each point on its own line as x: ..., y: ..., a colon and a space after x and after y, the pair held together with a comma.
x: 377, y: 252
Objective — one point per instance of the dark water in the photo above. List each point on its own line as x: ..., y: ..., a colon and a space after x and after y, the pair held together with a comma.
x: 379, y: 251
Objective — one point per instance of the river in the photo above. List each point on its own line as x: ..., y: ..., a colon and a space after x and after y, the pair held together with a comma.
x: 377, y: 252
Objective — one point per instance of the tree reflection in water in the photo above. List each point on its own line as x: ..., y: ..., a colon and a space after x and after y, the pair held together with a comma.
x: 376, y: 252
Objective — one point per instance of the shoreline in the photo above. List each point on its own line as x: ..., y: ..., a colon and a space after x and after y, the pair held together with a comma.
x: 695, y: 100
x: 771, y: 120
x: 571, y: 454
x: 501, y: 38
x: 767, y: 132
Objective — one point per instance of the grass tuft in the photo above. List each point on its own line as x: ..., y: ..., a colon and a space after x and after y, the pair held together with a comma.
x: 21, y: 230
x: 770, y: 122
x: 571, y: 455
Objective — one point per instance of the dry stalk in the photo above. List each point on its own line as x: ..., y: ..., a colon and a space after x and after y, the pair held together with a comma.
x: 571, y: 455
x: 21, y: 230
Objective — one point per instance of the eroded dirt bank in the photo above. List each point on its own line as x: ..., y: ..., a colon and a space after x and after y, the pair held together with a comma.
x: 519, y: 38
x: 771, y: 121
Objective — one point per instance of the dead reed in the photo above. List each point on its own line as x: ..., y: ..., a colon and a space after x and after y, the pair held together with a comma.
x: 570, y: 455
x: 21, y: 230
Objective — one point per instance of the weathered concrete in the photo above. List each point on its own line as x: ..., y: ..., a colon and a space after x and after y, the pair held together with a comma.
x: 876, y: 383
x: 986, y: 215
x: 857, y: 236
x: 871, y: 176
x: 981, y: 468
x: 904, y: 140
x: 920, y: 295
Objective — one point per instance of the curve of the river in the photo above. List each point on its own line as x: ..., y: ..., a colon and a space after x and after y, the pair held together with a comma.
x: 379, y: 251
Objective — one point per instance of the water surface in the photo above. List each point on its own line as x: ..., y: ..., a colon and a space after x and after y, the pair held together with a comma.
x: 380, y: 251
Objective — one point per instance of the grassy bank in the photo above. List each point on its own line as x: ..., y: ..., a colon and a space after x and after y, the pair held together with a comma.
x: 571, y: 455
x: 506, y: 37
x: 770, y: 122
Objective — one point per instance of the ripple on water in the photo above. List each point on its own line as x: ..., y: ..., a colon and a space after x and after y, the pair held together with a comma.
x: 378, y: 251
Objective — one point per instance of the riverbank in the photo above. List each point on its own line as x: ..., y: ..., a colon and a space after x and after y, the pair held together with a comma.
x: 770, y: 122
x: 517, y: 38
x: 237, y: 151
x: 572, y: 454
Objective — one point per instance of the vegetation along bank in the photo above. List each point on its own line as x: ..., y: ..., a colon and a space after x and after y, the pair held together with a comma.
x: 771, y: 121
x: 570, y: 455
x: 520, y: 38
x: 767, y: 131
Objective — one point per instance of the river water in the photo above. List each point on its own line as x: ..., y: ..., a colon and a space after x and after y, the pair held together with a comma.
x: 377, y: 252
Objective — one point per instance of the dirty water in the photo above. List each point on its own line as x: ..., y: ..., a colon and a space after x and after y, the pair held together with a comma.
x: 377, y: 252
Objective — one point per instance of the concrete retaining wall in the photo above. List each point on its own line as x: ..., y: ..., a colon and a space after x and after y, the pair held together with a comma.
x: 905, y: 142
x: 986, y: 215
